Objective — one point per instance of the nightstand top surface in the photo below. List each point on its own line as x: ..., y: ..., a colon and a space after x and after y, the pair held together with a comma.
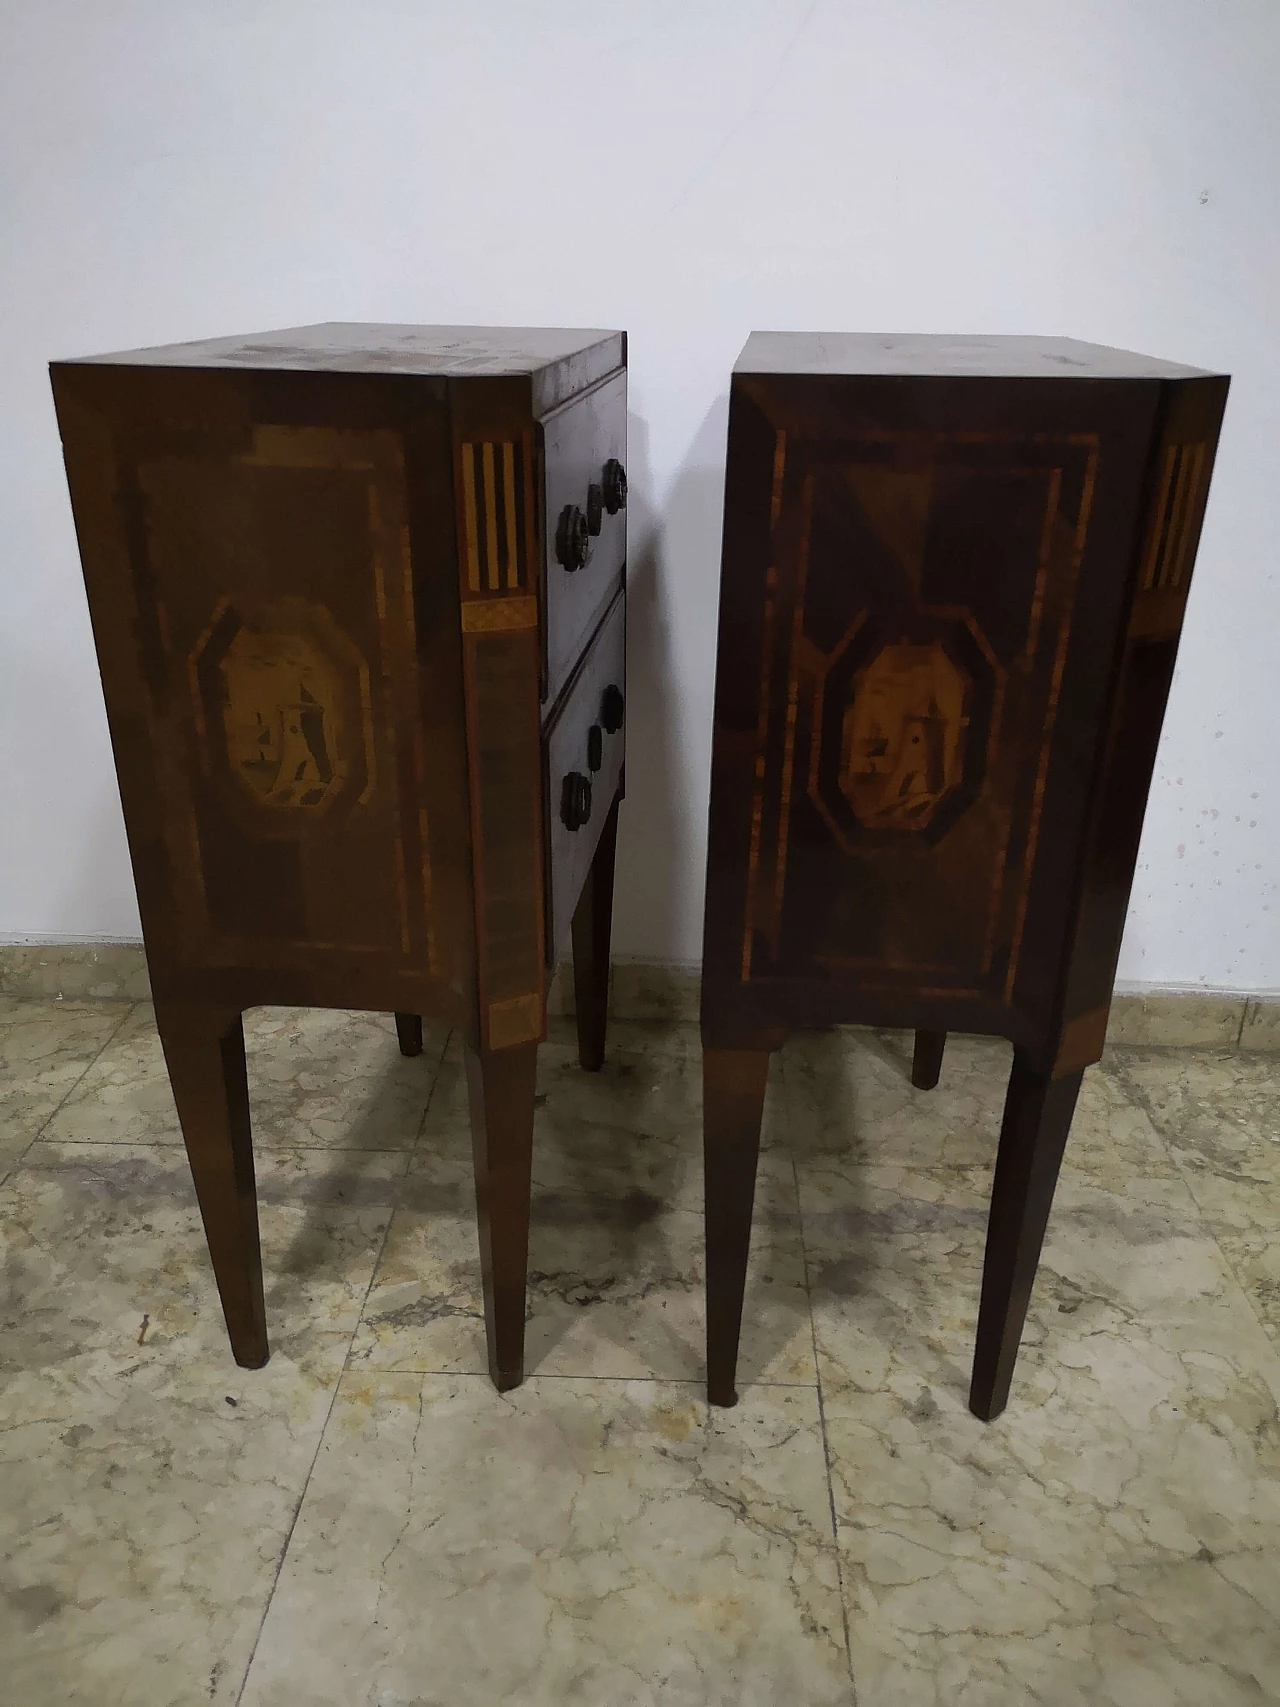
x: 927, y: 355
x: 355, y: 346
x: 558, y: 362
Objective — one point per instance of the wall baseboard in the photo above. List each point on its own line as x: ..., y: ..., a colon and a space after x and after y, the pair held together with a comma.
x: 1186, y: 1019
x: 75, y: 971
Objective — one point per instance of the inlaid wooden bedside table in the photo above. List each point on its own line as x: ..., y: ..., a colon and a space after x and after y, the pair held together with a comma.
x: 952, y: 588
x: 358, y: 594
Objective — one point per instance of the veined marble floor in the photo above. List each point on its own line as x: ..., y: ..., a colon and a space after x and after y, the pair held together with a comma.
x: 365, y: 1522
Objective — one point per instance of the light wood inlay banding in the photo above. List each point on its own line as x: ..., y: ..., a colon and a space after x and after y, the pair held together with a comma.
x: 1051, y: 716
x: 1164, y: 561
x: 470, y: 522
x: 491, y: 616
x: 509, y: 512
x: 518, y: 1019
x: 490, y: 520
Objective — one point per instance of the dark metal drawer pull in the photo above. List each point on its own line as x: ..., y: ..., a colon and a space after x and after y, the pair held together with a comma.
x: 612, y: 708
x: 575, y: 800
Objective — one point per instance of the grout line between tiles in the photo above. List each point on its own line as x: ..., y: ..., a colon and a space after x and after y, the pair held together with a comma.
x: 694, y: 1381
x: 110, y: 1038
x: 822, y: 1413
x: 306, y: 1483
x: 333, y: 1397
x: 260, y: 1149
x: 375, y: 1372
x: 431, y: 1091
x: 1140, y: 1098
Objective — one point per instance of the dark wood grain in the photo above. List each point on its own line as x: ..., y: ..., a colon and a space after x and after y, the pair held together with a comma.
x: 318, y: 575
x: 926, y: 1062
x: 204, y: 1052
x: 733, y: 1090
x: 409, y: 1033
x: 575, y: 754
x: 952, y: 586
x: 592, y: 932
x: 1033, y: 1136
x: 576, y: 442
x: 500, y: 1087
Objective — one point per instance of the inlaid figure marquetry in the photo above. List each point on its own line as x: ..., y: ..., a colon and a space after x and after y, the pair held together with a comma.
x: 358, y: 594
x: 952, y: 587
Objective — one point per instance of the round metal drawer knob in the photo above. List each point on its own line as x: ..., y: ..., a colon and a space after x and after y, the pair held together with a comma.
x: 615, y: 486
x: 571, y: 538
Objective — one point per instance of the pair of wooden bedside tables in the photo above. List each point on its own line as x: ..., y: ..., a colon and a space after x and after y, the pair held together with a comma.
x: 359, y: 599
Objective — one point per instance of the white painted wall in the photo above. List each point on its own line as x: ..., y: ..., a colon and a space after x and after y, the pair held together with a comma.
x: 688, y: 169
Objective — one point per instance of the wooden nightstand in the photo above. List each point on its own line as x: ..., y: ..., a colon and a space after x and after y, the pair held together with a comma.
x: 358, y: 594
x: 953, y: 583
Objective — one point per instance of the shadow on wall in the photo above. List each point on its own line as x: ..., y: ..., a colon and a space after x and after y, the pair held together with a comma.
x: 672, y: 579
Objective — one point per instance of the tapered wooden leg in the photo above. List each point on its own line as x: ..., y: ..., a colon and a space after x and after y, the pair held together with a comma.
x: 409, y: 1031
x: 926, y: 1064
x: 204, y: 1051
x: 733, y: 1086
x: 1037, y: 1118
x: 500, y: 1086
x: 592, y: 924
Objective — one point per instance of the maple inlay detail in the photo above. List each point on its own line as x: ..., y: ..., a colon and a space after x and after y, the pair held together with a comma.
x: 282, y: 716
x: 902, y: 749
x: 284, y: 694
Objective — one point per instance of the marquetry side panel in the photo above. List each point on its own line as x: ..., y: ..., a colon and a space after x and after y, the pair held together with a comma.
x: 917, y: 617
x: 949, y: 613
x: 262, y: 687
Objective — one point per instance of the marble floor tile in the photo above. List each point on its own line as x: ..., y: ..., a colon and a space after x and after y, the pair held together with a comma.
x: 633, y: 1128
x: 45, y: 1048
x: 575, y: 1541
x: 1115, y: 1544
x: 1111, y: 1537
x: 637, y: 1123
x: 849, y: 1094
x: 877, y: 1240
x: 660, y: 1036
x: 148, y: 1485
x: 849, y: 1097
x: 318, y: 1077
x: 350, y: 1179
x: 616, y: 1237
x: 599, y: 1535
x: 1254, y: 1259
x: 1220, y: 1116
x: 902, y: 1243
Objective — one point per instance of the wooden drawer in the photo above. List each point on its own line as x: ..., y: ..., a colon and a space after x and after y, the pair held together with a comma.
x: 578, y: 441
x: 588, y: 730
